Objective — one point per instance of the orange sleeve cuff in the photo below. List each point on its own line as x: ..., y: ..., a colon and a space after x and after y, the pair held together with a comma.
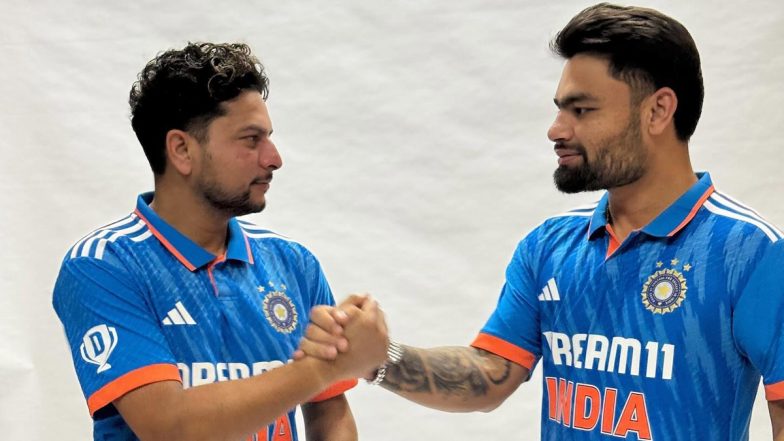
x: 130, y: 381
x: 505, y: 349
x: 334, y: 390
x: 775, y: 391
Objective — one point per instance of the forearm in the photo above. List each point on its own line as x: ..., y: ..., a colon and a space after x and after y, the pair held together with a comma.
x: 329, y: 420
x: 776, y: 409
x: 454, y: 379
x: 225, y: 410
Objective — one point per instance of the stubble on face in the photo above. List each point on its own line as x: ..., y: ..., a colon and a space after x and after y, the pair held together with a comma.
x: 231, y: 203
x: 618, y: 160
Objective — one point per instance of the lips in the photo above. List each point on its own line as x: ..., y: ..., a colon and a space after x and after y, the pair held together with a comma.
x: 567, y: 155
x: 563, y: 152
x: 262, y: 180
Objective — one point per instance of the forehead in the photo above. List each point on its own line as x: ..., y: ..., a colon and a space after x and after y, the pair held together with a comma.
x: 590, y: 75
x: 247, y: 108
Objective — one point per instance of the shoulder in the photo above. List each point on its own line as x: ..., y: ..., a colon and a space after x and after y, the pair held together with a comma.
x: 99, y: 243
x: 101, y: 262
x: 562, y: 231
x: 575, y: 220
x: 264, y: 240
x: 740, y: 220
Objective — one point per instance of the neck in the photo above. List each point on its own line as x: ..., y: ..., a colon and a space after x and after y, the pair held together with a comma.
x: 192, y: 216
x: 635, y: 205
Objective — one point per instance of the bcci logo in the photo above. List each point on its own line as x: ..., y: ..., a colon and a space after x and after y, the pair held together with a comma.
x: 280, y: 311
x: 97, y: 345
x: 665, y: 290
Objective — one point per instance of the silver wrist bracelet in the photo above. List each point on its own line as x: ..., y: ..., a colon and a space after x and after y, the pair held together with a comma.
x: 394, y: 355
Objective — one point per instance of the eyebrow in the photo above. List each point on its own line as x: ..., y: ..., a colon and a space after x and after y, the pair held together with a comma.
x: 569, y: 100
x: 256, y: 128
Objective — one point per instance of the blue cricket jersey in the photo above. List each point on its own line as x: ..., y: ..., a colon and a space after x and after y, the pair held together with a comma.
x: 142, y: 303
x: 662, y: 337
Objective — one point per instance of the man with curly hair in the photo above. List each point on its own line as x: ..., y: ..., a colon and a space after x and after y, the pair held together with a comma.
x: 162, y: 307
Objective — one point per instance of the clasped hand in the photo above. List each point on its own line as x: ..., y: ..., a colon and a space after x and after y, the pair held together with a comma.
x: 352, y: 335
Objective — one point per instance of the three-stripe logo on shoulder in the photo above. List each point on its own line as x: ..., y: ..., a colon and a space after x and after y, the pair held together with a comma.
x: 178, y: 316
x: 549, y: 292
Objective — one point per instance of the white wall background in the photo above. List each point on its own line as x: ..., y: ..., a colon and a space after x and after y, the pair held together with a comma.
x: 413, y: 135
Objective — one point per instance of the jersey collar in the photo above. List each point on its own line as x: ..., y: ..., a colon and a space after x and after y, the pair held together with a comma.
x: 671, y: 220
x: 191, y: 255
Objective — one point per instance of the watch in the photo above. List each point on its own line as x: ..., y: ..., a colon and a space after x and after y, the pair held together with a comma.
x: 394, y: 355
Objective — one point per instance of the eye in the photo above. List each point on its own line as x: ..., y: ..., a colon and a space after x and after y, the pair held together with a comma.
x: 252, y: 139
x: 580, y: 111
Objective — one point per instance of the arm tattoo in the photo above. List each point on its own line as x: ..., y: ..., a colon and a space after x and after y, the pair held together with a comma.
x: 410, y: 375
x: 454, y: 371
x: 497, y: 376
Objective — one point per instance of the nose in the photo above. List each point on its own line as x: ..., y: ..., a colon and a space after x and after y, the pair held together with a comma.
x: 560, y: 130
x: 269, y: 157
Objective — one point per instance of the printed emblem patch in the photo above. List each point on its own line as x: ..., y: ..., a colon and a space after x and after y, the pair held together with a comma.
x: 97, y: 345
x: 280, y: 311
x: 665, y: 290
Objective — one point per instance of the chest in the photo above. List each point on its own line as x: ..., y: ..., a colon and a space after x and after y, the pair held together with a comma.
x: 235, y: 317
x: 637, y: 310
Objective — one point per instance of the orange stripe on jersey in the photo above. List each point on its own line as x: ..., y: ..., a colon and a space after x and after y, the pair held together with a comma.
x: 505, y: 349
x: 247, y: 248
x: 775, y: 391
x: 614, y: 243
x: 130, y: 381
x: 693, y: 211
x: 210, y: 267
x: 334, y: 390
x: 165, y: 242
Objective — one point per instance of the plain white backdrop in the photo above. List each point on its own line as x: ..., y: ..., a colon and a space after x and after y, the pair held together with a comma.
x: 413, y: 137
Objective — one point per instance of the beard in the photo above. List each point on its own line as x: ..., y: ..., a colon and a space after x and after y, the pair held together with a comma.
x: 232, y: 204
x: 621, y: 160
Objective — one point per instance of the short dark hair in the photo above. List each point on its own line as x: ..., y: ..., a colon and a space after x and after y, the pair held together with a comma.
x: 183, y: 89
x: 646, y: 49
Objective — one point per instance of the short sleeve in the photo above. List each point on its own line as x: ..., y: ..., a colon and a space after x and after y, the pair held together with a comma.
x: 114, y: 337
x: 512, y: 331
x: 321, y: 294
x: 758, y: 320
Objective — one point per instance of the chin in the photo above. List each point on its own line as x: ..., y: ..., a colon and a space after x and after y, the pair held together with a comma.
x: 569, y: 181
x: 258, y: 204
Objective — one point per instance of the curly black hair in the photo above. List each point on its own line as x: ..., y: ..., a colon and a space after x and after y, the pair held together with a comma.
x: 183, y: 89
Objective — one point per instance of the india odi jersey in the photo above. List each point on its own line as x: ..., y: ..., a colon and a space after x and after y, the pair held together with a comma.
x: 662, y: 337
x: 142, y: 303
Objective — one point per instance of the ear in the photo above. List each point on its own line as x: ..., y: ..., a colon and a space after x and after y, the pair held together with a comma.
x: 179, y: 151
x: 660, y: 110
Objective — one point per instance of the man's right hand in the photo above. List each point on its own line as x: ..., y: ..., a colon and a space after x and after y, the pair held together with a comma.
x: 353, y: 335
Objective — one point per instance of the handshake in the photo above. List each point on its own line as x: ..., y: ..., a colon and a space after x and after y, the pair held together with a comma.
x: 350, y: 338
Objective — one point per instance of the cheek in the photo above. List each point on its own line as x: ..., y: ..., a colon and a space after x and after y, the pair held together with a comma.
x: 246, y: 158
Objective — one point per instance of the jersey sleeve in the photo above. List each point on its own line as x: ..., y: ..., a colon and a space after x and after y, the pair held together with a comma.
x: 114, y: 337
x: 758, y: 320
x: 512, y: 331
x: 321, y: 294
